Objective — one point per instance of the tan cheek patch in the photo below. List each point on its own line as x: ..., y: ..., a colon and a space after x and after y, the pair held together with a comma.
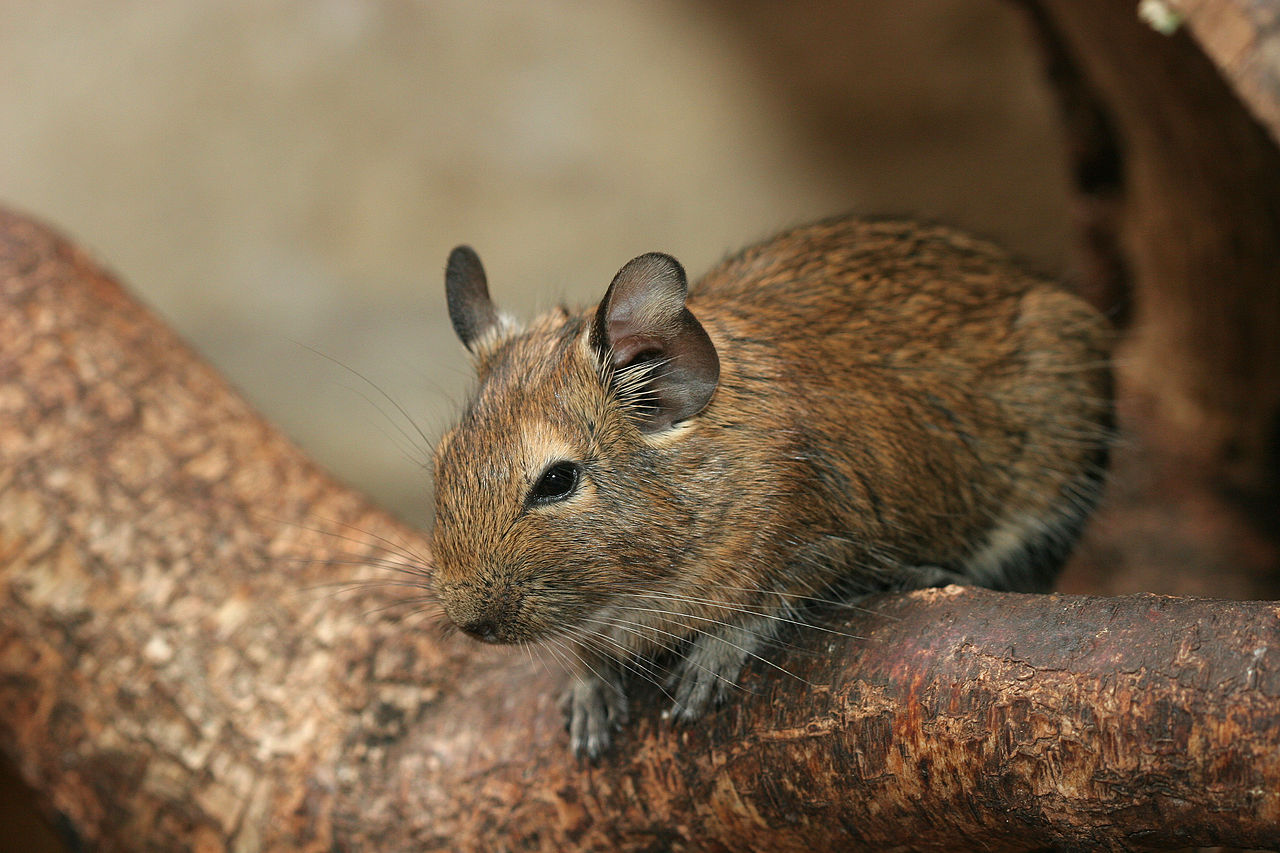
x: 669, y: 437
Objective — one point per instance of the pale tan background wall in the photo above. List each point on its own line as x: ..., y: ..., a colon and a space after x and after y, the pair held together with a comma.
x: 265, y: 173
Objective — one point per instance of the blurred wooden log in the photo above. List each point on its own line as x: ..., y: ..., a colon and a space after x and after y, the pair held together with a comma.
x: 1179, y: 189
x: 176, y: 671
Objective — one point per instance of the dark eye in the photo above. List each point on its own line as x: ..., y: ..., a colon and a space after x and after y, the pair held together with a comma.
x: 555, y: 484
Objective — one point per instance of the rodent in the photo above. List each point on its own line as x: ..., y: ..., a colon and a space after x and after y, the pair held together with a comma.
x: 855, y: 405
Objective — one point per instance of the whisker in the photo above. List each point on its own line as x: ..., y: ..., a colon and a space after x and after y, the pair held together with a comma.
x: 724, y: 640
x: 582, y: 659
x: 426, y: 442
x: 762, y: 613
x: 388, y: 545
x: 376, y: 563
x: 391, y: 606
x: 624, y: 624
x: 812, y: 599
x: 629, y: 662
x: 335, y: 588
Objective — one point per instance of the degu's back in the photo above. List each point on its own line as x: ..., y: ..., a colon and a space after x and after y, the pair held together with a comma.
x: 949, y: 407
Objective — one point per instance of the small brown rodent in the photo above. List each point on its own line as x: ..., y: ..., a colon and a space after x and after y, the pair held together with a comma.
x: 852, y: 405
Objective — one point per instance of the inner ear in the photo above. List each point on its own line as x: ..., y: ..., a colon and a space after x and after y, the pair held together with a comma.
x: 642, y: 320
x: 466, y: 290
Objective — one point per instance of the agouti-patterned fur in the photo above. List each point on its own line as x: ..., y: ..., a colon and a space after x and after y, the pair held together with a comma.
x: 848, y: 407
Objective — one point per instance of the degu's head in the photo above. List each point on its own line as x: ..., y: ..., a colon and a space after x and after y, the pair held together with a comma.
x: 537, y: 521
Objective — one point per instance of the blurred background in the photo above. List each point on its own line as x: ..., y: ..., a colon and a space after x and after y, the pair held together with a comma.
x: 281, y: 177
x: 287, y: 176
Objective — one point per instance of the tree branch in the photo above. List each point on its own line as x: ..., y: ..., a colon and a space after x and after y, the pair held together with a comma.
x: 1199, y: 220
x: 177, y: 670
x: 1243, y: 40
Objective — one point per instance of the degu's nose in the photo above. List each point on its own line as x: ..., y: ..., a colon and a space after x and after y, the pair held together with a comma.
x: 482, y: 629
x: 487, y: 615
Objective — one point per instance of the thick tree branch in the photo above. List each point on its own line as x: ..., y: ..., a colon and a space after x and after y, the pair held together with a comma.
x: 1178, y: 190
x: 176, y: 672
x: 196, y: 649
x: 1201, y: 230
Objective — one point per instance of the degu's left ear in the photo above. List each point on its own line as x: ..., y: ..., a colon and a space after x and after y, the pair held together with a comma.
x: 642, y: 320
x: 467, y: 292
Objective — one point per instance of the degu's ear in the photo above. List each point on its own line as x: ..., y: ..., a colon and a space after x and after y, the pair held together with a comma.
x: 642, y: 324
x: 467, y: 292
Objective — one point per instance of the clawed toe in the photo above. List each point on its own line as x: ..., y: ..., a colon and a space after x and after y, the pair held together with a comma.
x: 595, y: 708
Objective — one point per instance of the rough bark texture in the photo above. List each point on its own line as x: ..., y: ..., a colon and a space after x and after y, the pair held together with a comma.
x: 196, y: 649
x: 171, y: 676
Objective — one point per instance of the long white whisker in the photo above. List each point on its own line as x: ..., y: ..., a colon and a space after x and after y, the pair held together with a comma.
x: 761, y: 612
x: 638, y: 630
x: 426, y: 442
x: 722, y: 639
x: 388, y: 545
x: 629, y: 661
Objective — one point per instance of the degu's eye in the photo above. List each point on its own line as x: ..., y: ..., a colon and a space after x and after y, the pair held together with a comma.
x: 558, y: 482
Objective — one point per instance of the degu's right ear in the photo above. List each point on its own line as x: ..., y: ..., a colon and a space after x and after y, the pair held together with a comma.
x: 467, y: 292
x: 642, y: 323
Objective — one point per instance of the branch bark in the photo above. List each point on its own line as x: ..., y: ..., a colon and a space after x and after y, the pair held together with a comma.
x: 176, y: 672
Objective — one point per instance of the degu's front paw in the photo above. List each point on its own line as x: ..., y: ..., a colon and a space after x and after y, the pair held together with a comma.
x: 695, y: 693
x: 704, y: 678
x: 593, y: 708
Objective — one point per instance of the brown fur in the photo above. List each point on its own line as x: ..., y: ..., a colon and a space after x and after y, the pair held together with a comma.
x: 897, y: 405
